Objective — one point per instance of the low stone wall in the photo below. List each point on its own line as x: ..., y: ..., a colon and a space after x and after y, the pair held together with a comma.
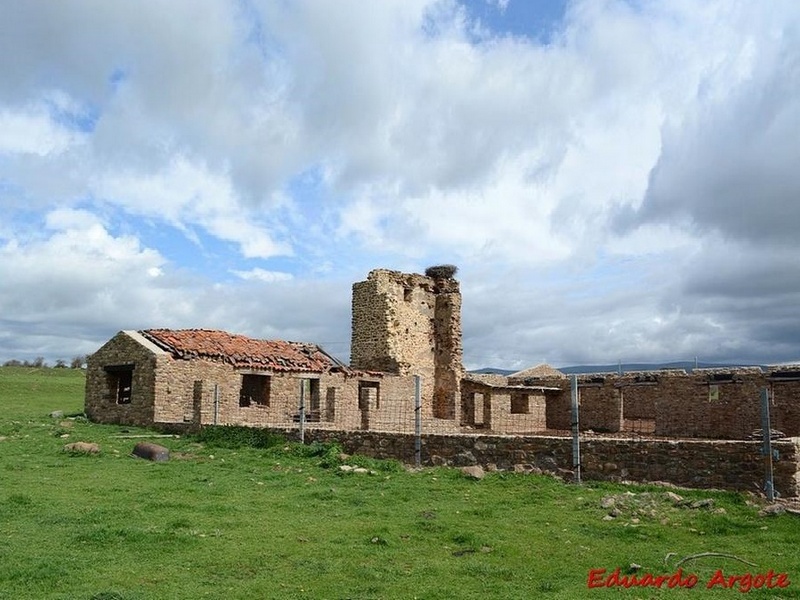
x: 721, y: 464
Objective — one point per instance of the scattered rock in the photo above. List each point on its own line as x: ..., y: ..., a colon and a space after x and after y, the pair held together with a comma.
x: 608, y: 518
x: 474, y: 472
x: 379, y: 541
x: 705, y: 503
x: 607, y: 502
x: 673, y: 497
x: 464, y: 459
x: 150, y: 451
x: 352, y: 469
x: 57, y: 414
x: 343, y: 456
x: 634, y: 567
x: 82, y: 448
x: 772, y: 510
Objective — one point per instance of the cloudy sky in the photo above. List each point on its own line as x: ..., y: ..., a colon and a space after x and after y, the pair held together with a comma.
x: 615, y: 179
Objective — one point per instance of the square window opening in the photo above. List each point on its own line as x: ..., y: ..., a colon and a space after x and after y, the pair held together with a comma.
x: 255, y: 390
x: 119, y: 379
x: 520, y: 404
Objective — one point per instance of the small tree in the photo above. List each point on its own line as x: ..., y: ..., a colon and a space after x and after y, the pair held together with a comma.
x: 38, y: 362
x: 77, y: 362
x: 61, y: 364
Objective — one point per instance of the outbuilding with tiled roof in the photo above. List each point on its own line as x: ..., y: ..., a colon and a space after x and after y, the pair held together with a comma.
x: 196, y: 377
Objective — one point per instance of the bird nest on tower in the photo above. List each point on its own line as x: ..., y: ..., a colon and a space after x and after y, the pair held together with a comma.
x: 441, y: 271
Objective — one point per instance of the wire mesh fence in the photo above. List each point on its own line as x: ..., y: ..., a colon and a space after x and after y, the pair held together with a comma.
x: 563, y: 426
x: 708, y: 405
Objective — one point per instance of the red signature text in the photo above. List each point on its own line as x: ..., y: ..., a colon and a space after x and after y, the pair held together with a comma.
x: 601, y: 578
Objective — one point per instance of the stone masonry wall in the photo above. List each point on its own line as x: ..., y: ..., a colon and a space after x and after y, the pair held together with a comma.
x: 186, y: 393
x: 731, y: 465
x: 100, y: 402
x: 600, y: 408
x: 502, y: 408
x: 708, y: 403
x: 196, y: 392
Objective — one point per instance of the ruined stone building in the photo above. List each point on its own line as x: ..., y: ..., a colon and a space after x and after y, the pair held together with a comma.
x: 406, y: 325
x: 693, y: 429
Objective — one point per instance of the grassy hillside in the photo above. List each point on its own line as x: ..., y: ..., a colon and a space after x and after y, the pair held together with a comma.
x: 226, y: 521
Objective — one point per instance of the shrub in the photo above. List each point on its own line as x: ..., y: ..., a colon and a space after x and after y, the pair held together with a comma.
x: 237, y: 436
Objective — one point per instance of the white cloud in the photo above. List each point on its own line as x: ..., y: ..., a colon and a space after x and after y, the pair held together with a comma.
x: 585, y: 183
x: 185, y: 193
x: 32, y: 131
x: 71, y: 281
x: 259, y: 274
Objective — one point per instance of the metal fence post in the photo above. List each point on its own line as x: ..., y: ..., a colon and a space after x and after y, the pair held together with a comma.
x: 766, y: 448
x: 216, y: 404
x: 302, y: 411
x: 417, y: 421
x: 576, y: 441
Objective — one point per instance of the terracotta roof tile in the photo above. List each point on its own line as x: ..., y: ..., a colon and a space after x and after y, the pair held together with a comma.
x: 242, y: 351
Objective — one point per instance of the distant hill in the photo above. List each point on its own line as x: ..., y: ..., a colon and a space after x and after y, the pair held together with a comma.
x: 686, y: 365
x: 492, y: 371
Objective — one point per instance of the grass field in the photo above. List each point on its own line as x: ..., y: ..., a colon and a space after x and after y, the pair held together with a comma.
x: 286, y: 522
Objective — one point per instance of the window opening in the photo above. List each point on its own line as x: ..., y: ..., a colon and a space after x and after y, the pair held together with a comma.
x: 120, y: 383
x: 311, y: 400
x: 330, y: 404
x: 255, y: 390
x: 369, y: 395
x: 520, y: 404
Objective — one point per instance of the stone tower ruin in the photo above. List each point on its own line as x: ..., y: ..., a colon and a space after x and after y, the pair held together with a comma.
x: 410, y: 324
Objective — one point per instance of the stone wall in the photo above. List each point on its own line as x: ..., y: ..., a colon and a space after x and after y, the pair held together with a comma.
x: 101, y: 402
x: 207, y: 392
x: 196, y: 392
x: 708, y: 403
x: 502, y: 408
x: 720, y: 464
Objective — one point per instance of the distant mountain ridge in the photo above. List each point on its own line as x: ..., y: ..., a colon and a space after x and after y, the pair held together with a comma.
x: 685, y: 365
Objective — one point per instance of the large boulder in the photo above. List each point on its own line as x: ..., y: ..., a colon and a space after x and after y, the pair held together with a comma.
x: 150, y: 451
x: 82, y: 448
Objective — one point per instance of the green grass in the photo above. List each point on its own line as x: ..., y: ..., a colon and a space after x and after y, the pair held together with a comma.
x: 223, y: 519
